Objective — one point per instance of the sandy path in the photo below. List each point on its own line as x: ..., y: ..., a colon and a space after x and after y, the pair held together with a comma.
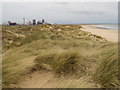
x: 110, y: 35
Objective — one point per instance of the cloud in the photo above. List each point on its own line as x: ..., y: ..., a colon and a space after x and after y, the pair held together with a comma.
x: 62, y: 12
x: 90, y: 12
x: 62, y: 3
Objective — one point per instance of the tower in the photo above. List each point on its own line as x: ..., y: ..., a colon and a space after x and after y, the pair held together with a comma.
x: 23, y: 21
x: 34, y: 22
x: 43, y: 21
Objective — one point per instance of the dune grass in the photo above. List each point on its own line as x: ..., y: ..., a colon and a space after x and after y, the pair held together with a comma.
x: 64, y: 50
x: 107, y: 70
x: 60, y: 62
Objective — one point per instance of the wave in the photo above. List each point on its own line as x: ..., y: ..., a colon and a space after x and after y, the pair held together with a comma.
x: 111, y: 27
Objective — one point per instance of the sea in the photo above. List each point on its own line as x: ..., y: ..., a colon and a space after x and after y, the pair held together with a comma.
x: 107, y: 26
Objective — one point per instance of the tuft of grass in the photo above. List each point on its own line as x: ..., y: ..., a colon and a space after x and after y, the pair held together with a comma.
x: 44, y: 60
x: 106, y: 73
x: 67, y: 62
x: 63, y: 62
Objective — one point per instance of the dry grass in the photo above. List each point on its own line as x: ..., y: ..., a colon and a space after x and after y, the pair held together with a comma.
x: 107, y: 70
x: 61, y: 62
x: 62, y: 49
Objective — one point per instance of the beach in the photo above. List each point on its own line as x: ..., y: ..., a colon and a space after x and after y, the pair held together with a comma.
x: 110, y: 35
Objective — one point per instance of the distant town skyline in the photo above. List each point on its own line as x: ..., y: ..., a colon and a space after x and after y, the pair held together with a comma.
x: 61, y: 12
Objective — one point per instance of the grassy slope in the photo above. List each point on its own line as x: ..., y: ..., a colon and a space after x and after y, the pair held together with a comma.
x: 61, y: 49
x: 0, y: 56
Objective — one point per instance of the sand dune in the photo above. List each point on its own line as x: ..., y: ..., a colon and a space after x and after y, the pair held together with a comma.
x: 58, y: 56
x: 110, y: 35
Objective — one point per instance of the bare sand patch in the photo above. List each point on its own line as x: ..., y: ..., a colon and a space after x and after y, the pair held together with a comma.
x: 110, y: 35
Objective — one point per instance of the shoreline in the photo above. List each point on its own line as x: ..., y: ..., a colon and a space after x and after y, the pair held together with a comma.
x: 110, y: 35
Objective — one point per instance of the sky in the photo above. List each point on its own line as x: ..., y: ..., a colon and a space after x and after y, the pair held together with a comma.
x: 61, y: 12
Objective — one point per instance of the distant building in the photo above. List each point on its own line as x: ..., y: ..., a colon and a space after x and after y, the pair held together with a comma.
x: 39, y: 22
x: 43, y: 21
x: 29, y: 23
x: 12, y: 23
x: 34, y: 22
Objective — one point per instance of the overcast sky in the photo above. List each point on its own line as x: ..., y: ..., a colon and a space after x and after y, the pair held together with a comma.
x: 61, y: 12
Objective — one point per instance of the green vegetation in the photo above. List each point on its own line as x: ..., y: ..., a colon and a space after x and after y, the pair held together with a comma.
x: 64, y: 50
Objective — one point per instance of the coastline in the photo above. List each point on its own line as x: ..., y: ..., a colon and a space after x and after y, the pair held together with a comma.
x: 110, y: 35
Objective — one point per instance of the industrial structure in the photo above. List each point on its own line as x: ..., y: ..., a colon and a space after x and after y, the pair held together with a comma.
x: 12, y: 23
x: 23, y: 21
x: 38, y: 22
x: 32, y: 22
